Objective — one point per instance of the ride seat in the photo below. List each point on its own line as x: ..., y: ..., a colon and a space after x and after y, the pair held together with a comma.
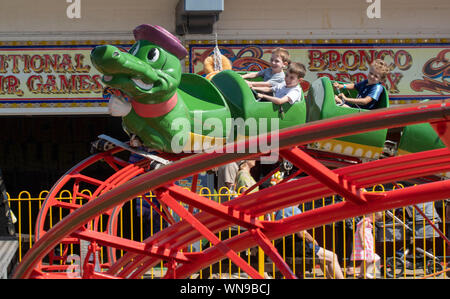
x: 243, y: 104
x: 321, y: 105
x: 200, y: 95
x: 383, y: 102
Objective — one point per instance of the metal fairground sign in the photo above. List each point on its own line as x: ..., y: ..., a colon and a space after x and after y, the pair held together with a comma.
x: 419, y: 70
x: 37, y: 78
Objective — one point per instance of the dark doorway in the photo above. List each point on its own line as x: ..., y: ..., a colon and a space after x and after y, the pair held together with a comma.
x: 36, y: 151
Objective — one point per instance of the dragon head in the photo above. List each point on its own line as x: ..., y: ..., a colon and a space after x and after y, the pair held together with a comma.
x: 150, y: 72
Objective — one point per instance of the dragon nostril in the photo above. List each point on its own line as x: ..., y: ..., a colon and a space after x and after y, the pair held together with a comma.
x: 99, y: 50
x: 116, y: 54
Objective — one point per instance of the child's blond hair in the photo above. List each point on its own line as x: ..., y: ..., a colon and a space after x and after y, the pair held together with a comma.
x: 283, y: 53
x: 382, y: 67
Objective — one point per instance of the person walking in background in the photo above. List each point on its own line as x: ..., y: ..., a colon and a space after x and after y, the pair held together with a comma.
x: 364, y: 247
x: 326, y: 257
x: 226, y: 176
x: 226, y: 179
x: 244, y: 179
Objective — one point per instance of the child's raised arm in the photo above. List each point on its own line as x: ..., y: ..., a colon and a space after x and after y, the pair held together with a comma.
x: 262, y: 93
x: 274, y: 100
x: 345, y: 85
x: 250, y: 75
x: 265, y: 89
x: 259, y: 84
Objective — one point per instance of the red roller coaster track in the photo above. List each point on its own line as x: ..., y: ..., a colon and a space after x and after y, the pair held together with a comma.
x: 130, y: 181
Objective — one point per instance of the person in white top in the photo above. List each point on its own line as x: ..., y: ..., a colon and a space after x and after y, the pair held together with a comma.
x: 289, y: 91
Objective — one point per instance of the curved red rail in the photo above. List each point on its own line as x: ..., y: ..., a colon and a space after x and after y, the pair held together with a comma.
x: 321, y: 182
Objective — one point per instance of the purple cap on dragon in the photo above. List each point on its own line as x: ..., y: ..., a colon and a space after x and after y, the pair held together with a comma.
x: 161, y: 37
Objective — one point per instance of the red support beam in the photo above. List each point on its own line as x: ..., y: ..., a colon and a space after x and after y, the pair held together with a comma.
x: 183, y: 213
x: 260, y: 182
x: 130, y: 245
x: 219, y: 210
x: 442, y: 128
x: 435, y: 111
x: 338, y: 183
x: 157, y: 210
x: 324, y: 215
x: 432, y: 225
x: 193, y: 189
x: 272, y: 252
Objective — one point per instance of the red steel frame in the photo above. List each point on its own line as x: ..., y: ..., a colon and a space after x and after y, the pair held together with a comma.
x: 347, y: 181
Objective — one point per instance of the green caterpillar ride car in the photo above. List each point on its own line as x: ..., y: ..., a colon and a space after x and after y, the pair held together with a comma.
x: 171, y: 111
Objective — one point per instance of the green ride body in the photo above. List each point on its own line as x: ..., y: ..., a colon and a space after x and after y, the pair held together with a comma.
x: 226, y: 98
x: 152, y: 78
x: 321, y: 105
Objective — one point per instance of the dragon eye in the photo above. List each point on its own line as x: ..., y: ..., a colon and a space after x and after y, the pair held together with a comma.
x: 153, y: 55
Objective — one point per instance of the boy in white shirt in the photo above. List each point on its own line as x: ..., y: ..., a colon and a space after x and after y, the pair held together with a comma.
x: 288, y: 91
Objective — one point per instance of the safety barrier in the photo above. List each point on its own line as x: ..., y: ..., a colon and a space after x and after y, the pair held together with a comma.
x: 407, y: 247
